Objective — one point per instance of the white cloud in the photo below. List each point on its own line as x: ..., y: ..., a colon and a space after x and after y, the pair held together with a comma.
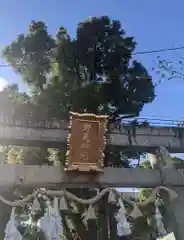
x: 3, y: 83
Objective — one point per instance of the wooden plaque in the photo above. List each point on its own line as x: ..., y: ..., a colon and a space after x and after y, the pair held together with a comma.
x: 86, y: 142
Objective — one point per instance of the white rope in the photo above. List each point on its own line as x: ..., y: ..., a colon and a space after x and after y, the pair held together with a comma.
x: 92, y: 200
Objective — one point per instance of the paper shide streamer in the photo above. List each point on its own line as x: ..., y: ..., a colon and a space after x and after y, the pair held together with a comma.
x: 51, y: 223
x: 11, y: 231
x: 123, y: 227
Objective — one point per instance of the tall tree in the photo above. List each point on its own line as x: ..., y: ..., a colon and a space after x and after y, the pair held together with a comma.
x: 29, y: 55
x: 93, y: 72
x: 96, y: 67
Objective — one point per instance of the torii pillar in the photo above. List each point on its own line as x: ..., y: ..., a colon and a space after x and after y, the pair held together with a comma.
x: 173, y: 209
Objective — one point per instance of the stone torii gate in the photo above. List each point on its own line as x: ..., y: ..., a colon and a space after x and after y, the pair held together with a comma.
x: 162, y: 174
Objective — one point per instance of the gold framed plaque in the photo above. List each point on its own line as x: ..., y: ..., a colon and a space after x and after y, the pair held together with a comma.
x: 86, y: 142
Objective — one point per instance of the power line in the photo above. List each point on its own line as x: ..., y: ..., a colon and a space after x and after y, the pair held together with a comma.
x: 156, y: 122
x: 134, y: 53
x: 158, y: 50
x: 166, y: 117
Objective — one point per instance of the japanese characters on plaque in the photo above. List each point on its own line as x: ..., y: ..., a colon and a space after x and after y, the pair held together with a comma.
x: 86, y: 142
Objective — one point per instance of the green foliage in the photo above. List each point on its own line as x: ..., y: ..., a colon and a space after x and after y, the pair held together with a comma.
x: 178, y: 163
x: 144, y: 194
x: 31, y: 232
x: 27, y: 155
x: 145, y: 164
x: 30, y: 55
x: 93, y: 72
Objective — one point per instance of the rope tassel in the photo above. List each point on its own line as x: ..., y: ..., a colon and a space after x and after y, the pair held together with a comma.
x: 90, y: 215
x: 112, y: 197
x: 11, y: 231
x: 123, y: 227
x: 158, y: 218
x: 36, y: 205
x: 63, y: 204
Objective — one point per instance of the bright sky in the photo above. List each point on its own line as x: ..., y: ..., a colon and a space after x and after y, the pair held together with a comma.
x: 3, y: 83
x: 154, y: 24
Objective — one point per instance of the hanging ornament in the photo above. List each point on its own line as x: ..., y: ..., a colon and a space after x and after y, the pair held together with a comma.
x: 158, y: 218
x: 36, y: 205
x: 70, y: 224
x: 112, y: 197
x: 90, y: 214
x: 63, y: 204
x: 11, y: 231
x: 85, y: 222
x: 123, y: 227
x: 51, y: 222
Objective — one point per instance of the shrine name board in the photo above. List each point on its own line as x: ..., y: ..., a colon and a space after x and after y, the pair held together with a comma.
x: 86, y: 142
